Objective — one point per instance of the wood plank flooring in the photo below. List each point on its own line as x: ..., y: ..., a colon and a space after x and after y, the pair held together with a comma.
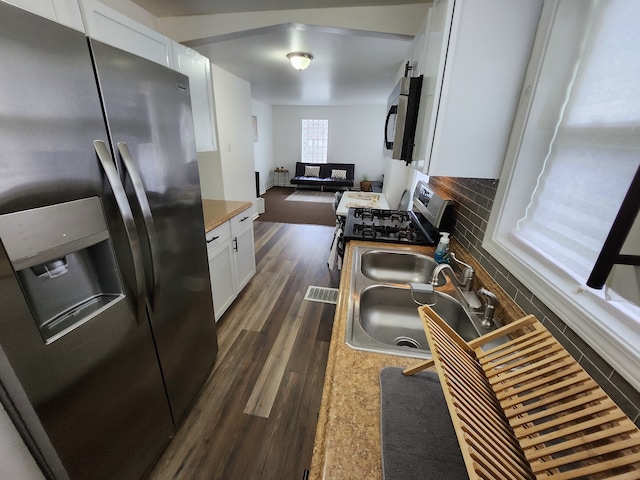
x: 256, y: 416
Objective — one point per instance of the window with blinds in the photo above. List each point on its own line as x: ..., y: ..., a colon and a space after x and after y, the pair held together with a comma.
x: 574, y: 149
x: 595, y: 145
x: 315, y: 136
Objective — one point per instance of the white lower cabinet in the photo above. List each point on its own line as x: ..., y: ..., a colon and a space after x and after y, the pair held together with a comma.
x: 221, y: 269
x: 232, y: 261
x: 244, y: 253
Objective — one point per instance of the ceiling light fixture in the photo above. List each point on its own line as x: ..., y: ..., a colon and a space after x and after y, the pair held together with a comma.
x: 300, y: 60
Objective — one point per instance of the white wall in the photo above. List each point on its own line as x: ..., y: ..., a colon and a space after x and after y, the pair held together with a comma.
x: 355, y: 136
x: 263, y: 148
x: 232, y: 97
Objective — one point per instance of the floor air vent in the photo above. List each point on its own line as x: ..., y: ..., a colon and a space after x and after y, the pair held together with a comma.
x: 322, y: 294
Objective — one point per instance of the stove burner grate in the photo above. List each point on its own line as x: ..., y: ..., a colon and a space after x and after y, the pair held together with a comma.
x: 378, y: 214
x: 382, y: 226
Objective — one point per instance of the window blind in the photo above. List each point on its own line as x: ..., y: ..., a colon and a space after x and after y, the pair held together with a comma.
x: 595, y: 146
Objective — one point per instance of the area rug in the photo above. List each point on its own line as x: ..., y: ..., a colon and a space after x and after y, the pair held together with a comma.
x: 311, y: 196
x: 277, y: 210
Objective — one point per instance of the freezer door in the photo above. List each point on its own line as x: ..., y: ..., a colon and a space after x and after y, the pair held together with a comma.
x: 148, y: 113
x: 93, y: 387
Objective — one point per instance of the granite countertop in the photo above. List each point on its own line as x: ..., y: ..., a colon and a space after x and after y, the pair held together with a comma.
x: 216, y: 212
x: 347, y: 443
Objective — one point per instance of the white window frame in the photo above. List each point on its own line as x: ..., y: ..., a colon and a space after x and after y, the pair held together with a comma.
x: 323, y: 147
x: 612, y: 329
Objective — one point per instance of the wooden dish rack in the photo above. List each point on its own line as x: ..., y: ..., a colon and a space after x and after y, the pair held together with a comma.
x: 526, y: 409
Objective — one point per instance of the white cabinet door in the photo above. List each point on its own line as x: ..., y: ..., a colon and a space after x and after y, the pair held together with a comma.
x: 232, y: 261
x: 66, y: 12
x: 486, y: 45
x: 430, y: 64
x: 197, y: 68
x: 244, y: 250
x: 112, y: 27
x: 222, y: 270
x: 223, y: 277
x: 245, y: 257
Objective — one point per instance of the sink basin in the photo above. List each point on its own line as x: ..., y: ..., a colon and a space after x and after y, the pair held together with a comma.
x: 382, y: 315
x: 396, y: 267
x: 389, y: 315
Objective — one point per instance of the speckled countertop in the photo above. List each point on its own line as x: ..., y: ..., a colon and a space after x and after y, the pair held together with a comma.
x: 216, y: 212
x: 347, y: 443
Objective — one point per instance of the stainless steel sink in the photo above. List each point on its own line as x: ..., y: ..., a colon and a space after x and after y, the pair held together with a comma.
x: 396, y: 267
x: 383, y: 313
x: 390, y: 315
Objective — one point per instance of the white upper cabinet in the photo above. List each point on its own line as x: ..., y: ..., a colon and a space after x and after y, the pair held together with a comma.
x: 66, y: 12
x: 474, y: 58
x: 109, y: 26
x: 197, y: 68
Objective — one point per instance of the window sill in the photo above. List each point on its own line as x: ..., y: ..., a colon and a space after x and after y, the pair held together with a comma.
x: 611, y: 328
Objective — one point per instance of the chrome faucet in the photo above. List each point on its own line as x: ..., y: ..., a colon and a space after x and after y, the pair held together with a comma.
x: 464, y: 283
x: 490, y: 307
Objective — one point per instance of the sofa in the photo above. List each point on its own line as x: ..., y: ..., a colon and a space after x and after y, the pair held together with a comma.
x: 332, y: 175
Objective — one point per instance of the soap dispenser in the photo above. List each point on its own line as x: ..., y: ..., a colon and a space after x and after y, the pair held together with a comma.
x: 442, y: 250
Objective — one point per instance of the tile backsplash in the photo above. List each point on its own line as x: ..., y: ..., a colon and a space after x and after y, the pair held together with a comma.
x: 474, y: 200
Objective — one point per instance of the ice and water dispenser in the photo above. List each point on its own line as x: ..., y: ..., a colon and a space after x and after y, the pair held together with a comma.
x: 65, y: 263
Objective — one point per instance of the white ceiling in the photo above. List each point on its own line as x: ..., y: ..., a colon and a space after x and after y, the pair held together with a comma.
x: 350, y: 66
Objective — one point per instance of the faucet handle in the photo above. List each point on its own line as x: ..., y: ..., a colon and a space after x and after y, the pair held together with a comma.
x: 467, y: 275
x: 456, y: 261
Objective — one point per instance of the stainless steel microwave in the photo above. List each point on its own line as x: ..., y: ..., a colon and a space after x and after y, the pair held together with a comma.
x: 402, y: 117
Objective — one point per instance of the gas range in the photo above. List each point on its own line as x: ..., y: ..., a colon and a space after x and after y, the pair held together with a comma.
x: 430, y: 211
x: 394, y: 226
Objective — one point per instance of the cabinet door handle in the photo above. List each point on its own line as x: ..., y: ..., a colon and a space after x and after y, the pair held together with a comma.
x: 235, y: 243
x: 243, y: 219
x: 213, y: 238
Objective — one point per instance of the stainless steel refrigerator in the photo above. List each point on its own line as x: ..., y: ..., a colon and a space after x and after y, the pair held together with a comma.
x: 107, y: 331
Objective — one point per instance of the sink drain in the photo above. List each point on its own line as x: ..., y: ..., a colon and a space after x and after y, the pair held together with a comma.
x: 407, y: 342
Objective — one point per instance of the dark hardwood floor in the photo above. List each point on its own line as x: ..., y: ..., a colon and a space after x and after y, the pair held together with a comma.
x: 256, y: 416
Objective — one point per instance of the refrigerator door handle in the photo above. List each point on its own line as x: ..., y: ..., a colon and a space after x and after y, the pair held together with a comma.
x: 129, y: 224
x: 147, y: 216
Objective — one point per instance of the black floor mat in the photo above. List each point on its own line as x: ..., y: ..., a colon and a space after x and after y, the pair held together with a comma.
x: 418, y: 439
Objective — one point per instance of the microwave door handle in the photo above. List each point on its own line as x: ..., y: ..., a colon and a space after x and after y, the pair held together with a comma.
x: 143, y: 202
x: 392, y: 111
x: 129, y: 225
